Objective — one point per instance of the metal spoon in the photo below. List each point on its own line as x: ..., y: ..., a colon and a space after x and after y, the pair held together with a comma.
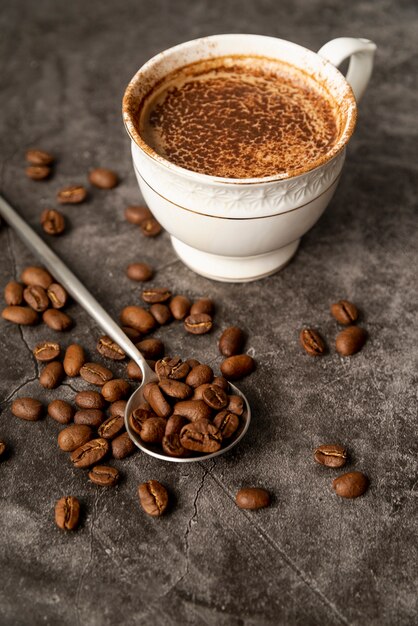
x: 77, y: 290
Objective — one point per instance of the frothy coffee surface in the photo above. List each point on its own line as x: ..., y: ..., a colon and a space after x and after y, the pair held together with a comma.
x: 239, y: 117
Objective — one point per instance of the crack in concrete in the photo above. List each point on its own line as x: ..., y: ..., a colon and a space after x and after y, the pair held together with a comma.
x: 10, y: 396
x: 169, y: 264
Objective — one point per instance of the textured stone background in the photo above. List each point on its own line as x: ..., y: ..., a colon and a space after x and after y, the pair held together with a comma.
x: 310, y: 558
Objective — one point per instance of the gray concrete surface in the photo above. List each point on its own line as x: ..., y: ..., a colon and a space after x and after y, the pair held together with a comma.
x: 310, y: 558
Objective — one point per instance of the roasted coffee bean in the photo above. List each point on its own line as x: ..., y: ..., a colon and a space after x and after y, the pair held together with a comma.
x: 350, y: 485
x: 180, y: 307
x: 39, y: 157
x: 161, y: 312
x: 350, y: 340
x: 46, y: 351
x: 74, y: 359
x: 104, y: 475
x: 137, y: 214
x: 67, y: 513
x: 312, y: 342
x: 36, y: 297
x: 237, y: 366
x: 90, y: 453
x: 252, y: 498
x: 331, y: 455
x: 198, y: 392
x: 122, y: 446
x: 95, y: 373
x: 13, y: 293
x: 52, y: 375
x: 174, y: 425
x: 28, y: 409
x: 140, y: 272
x: 118, y: 408
x: 171, y: 367
x: 111, y: 427
x: 155, y: 296
x: 34, y: 275
x: 199, y: 375
x: 133, y: 371
x: 345, y: 312
x: 175, y: 389
x: 110, y: 349
x: 90, y: 400
x: 38, y: 172
x: 115, y: 389
x: 151, y: 348
x: 22, y: 315
x: 235, y: 405
x: 72, y: 195
x: 232, y: 341
x: 2, y: 449
x: 74, y: 436
x: 153, y: 497
x: 150, y: 227
x: 192, y: 363
x: 57, y: 295
x: 133, y: 334
x: 155, y: 397
x: 201, y: 436
x: 52, y: 222
x: 103, y: 178
x: 204, y: 305
x: 221, y: 382
x: 227, y: 423
x: 137, y: 419
x: 138, y: 318
x: 198, y: 324
x: 61, y: 411
x: 153, y: 430
x: 89, y: 417
x: 172, y: 446
x: 194, y: 410
x: 215, y: 397
x: 57, y: 320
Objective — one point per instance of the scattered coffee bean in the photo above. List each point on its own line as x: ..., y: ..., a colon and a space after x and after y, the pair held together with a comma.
x: 57, y: 295
x: 53, y: 222
x: 118, y: 408
x: 39, y: 157
x: 38, y: 172
x: 133, y: 371
x: 133, y: 334
x: 153, y: 497
x: 57, y: 320
x: 235, y: 405
x: 13, y: 293
x: 180, y: 307
x: 103, y: 178
x: 252, y: 498
x: 345, y: 312
x: 204, y: 305
x: 138, y: 318
x: 151, y: 348
x: 104, y: 475
x: 312, y: 342
x: 155, y: 296
x: 350, y: 485
x: 227, y: 423
x: 237, y: 366
x: 34, y: 275
x: 161, y: 312
x: 201, y: 436
x: 331, y: 455
x: 350, y: 340
x: 90, y: 453
x: 74, y: 359
x: 52, y: 375
x: 199, y: 375
x: 150, y: 227
x: 137, y: 214
x: 67, y: 513
x: 193, y: 410
x: 192, y: 363
x: 175, y: 389
x: 215, y: 397
x: 171, y: 367
x: 232, y: 341
x: 74, y: 436
x: 110, y: 349
x: 153, y: 429
x: 111, y: 427
x: 61, y: 411
x: 95, y: 373
x: 22, y: 315
x: 122, y: 446
x: 46, y: 351
x: 140, y: 272
x: 221, y: 382
x: 115, y: 389
x: 137, y: 419
x: 72, y: 195
x: 90, y: 400
x: 2, y: 449
x: 28, y: 409
x: 89, y: 417
x: 198, y: 324
x: 155, y: 397
x: 36, y: 297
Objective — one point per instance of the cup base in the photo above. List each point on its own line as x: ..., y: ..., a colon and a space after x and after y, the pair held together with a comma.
x: 230, y: 269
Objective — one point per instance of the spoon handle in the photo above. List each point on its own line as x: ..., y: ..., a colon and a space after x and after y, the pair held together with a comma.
x: 72, y: 284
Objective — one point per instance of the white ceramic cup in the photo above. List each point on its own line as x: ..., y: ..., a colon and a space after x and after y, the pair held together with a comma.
x: 238, y: 230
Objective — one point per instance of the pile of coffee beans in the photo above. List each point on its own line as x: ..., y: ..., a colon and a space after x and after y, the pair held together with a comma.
x: 348, y: 485
x: 348, y: 341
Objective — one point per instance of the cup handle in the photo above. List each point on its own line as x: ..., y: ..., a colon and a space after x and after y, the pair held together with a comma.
x: 361, y: 54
